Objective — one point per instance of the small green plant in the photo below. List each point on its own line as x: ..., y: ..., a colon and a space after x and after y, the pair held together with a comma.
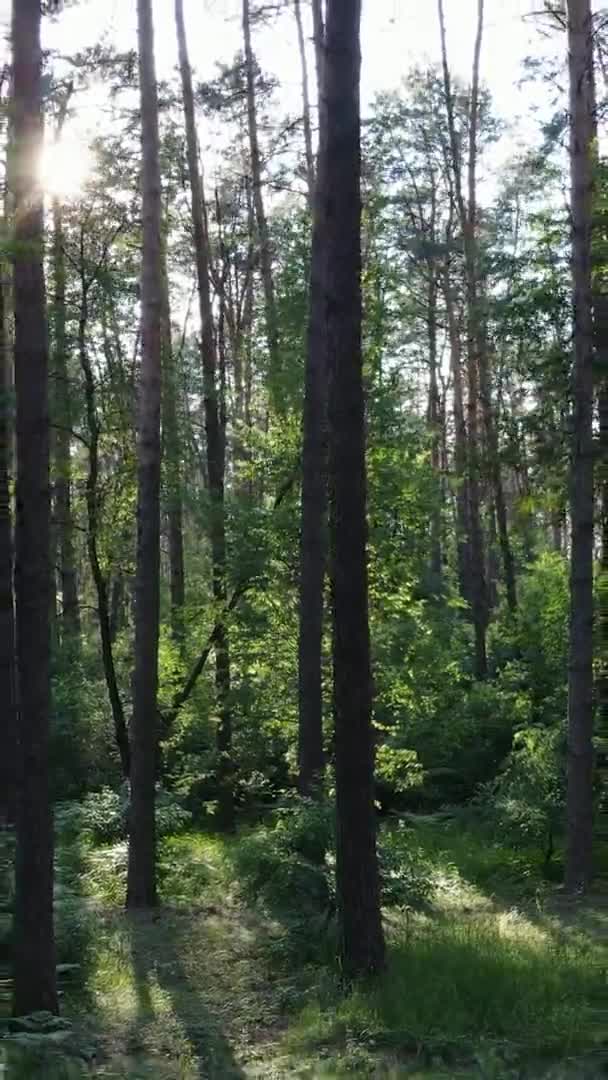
x: 406, y: 872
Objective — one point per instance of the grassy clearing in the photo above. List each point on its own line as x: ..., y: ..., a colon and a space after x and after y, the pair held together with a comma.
x: 211, y: 987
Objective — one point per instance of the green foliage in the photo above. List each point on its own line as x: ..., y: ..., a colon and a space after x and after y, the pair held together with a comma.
x: 101, y: 817
x: 398, y: 769
x: 283, y: 864
x: 407, y: 875
x: 526, y: 801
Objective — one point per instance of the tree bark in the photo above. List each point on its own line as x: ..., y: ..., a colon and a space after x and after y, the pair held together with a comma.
x: 463, y: 553
x: 215, y: 438
x: 434, y: 421
x: 93, y: 512
x: 173, y: 472
x: 467, y: 217
x: 272, y: 322
x: 310, y: 160
x: 8, y: 673
x: 579, y: 839
x: 34, y: 948
x: 62, y: 417
x: 70, y: 613
x: 358, y: 901
x: 141, y: 871
x: 313, y: 520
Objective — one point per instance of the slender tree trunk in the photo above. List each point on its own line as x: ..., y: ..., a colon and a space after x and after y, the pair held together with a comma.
x: 313, y: 522
x: 467, y: 217
x: 173, y: 472
x: 93, y: 511
x: 62, y: 418
x: 318, y: 29
x: 8, y: 681
x: 34, y: 947
x: 310, y: 160
x: 141, y: 872
x: 580, y: 674
x: 360, y: 925
x: 272, y: 322
x: 434, y: 420
x: 493, y: 457
x: 460, y: 448
x: 215, y: 441
x: 70, y: 615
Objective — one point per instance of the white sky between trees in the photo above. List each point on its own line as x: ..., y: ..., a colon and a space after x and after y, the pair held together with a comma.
x: 396, y: 34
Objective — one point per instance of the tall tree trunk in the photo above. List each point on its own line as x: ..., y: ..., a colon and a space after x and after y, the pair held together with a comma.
x: 313, y: 522
x: 34, y: 948
x: 434, y: 421
x: 8, y: 681
x: 70, y: 615
x: 467, y: 217
x: 173, y: 472
x: 92, y: 502
x: 272, y: 322
x: 215, y: 441
x: 580, y: 672
x: 62, y: 418
x: 141, y: 872
x: 360, y: 925
x: 463, y: 552
x: 310, y: 161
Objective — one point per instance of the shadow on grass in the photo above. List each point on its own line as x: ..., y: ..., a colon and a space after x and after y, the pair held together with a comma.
x: 173, y: 1020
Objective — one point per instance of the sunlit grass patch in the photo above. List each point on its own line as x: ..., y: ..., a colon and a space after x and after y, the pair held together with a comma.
x: 457, y: 983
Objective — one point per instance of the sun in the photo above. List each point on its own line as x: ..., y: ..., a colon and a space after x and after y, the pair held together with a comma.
x: 65, y: 167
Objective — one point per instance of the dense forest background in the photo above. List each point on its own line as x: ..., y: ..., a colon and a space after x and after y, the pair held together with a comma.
x: 303, y: 551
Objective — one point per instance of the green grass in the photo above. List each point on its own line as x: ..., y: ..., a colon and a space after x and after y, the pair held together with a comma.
x: 453, y: 984
x: 211, y: 986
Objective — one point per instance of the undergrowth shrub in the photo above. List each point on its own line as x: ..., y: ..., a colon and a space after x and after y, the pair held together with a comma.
x: 284, y: 864
x: 101, y: 817
x: 406, y: 873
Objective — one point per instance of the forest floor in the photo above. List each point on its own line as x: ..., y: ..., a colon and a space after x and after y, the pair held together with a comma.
x: 497, y: 978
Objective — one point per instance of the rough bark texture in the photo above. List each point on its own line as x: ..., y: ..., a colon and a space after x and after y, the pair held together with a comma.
x: 272, y: 323
x: 360, y: 926
x: 34, y: 948
x: 580, y: 670
x: 313, y: 523
x: 141, y: 872
x: 8, y: 684
x: 215, y: 438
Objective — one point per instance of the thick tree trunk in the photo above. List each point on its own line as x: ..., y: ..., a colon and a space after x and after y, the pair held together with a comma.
x: 580, y: 673
x: 360, y: 925
x: 215, y: 437
x: 310, y: 160
x: 100, y: 583
x: 272, y: 322
x: 141, y: 872
x: 8, y: 682
x: 313, y: 522
x: 34, y: 947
